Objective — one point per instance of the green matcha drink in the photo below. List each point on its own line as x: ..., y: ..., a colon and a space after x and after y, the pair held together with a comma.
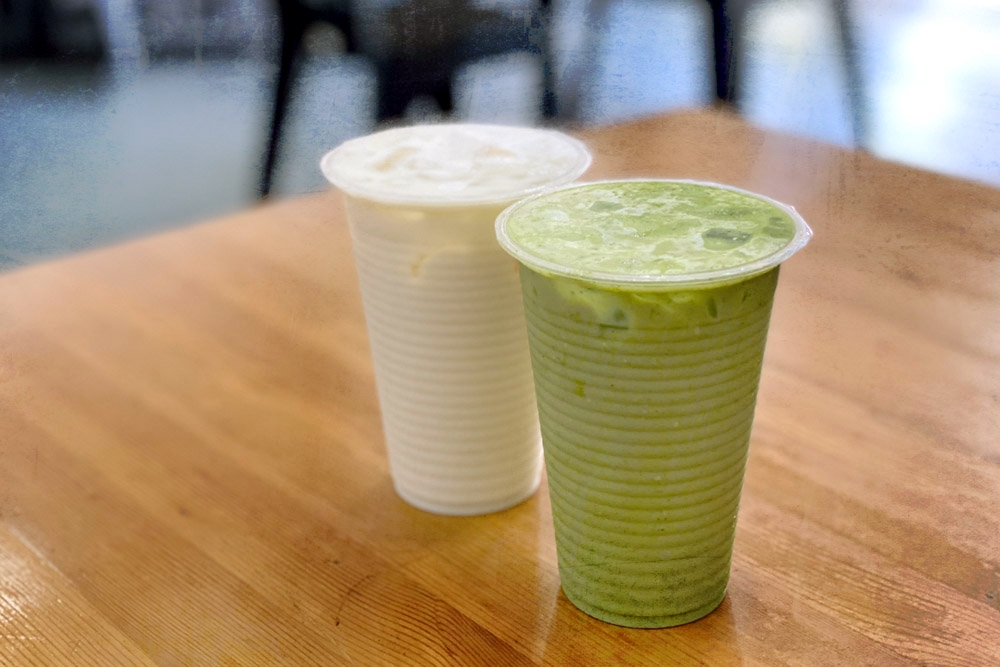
x: 647, y: 305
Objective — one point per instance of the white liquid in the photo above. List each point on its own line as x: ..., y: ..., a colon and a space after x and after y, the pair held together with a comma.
x: 443, y: 305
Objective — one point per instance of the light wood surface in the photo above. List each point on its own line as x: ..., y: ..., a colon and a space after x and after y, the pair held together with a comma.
x: 192, y: 469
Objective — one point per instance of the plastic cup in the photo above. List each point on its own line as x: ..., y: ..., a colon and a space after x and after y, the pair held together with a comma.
x: 647, y: 307
x: 442, y: 303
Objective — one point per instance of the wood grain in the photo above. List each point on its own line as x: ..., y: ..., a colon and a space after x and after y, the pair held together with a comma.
x: 192, y: 470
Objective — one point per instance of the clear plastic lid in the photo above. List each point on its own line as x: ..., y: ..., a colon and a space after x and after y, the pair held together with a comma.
x: 651, y: 233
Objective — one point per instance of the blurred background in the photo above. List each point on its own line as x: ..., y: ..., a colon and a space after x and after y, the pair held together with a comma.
x: 120, y: 118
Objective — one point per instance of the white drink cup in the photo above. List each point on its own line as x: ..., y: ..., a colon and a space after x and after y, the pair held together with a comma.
x: 443, y: 306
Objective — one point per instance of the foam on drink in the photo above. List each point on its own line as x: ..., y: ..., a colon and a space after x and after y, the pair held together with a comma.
x: 454, y: 164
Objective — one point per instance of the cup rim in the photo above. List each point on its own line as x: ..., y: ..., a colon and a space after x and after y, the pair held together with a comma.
x: 648, y: 281
x: 387, y: 197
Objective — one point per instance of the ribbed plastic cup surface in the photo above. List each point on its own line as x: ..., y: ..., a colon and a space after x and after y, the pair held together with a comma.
x: 443, y: 309
x: 646, y: 426
x: 646, y: 393
x: 446, y: 326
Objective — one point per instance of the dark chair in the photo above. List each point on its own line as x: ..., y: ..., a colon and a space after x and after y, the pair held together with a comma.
x: 51, y: 30
x: 416, y: 48
x: 728, y: 29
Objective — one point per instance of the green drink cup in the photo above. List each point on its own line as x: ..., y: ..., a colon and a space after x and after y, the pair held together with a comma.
x: 647, y: 304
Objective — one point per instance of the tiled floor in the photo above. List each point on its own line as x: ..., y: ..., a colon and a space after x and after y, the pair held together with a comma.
x: 87, y: 161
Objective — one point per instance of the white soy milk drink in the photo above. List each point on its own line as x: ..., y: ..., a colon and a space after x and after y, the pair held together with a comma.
x: 443, y: 306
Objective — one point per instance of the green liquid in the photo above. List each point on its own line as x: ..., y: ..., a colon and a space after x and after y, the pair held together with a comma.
x: 646, y: 393
x: 646, y: 402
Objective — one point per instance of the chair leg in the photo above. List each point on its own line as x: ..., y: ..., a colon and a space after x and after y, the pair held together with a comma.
x: 727, y: 43
x: 722, y: 50
x: 292, y: 27
x: 443, y: 96
x: 393, y: 90
x: 852, y: 67
x: 550, y: 107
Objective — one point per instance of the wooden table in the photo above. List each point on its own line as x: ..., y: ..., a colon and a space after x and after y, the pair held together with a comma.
x: 192, y: 469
